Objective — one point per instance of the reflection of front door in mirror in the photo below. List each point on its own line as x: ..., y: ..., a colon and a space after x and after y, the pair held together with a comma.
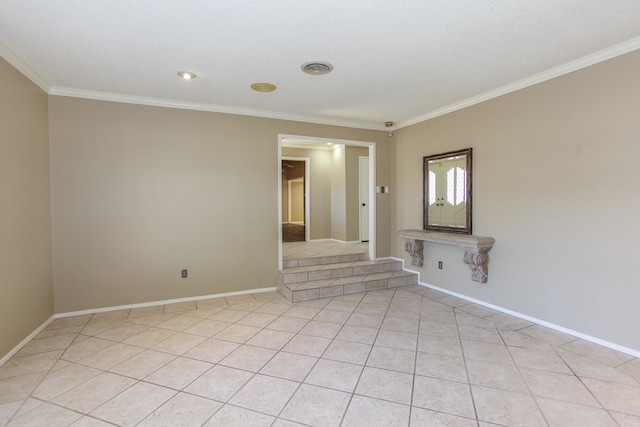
x: 447, y: 193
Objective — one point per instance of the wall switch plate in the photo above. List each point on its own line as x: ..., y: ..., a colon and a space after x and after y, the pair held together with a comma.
x: 184, y: 274
x: 439, y: 265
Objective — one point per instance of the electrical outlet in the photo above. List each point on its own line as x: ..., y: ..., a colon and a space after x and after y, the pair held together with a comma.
x: 439, y: 265
x: 184, y: 274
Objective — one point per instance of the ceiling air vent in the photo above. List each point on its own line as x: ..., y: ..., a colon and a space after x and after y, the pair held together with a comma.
x: 317, y: 68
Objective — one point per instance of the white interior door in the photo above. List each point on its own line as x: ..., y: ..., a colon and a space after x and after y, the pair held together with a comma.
x: 364, y: 199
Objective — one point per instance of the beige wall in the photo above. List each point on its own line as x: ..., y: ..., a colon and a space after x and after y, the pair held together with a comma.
x: 297, y: 201
x: 139, y: 193
x: 555, y: 183
x: 26, y: 287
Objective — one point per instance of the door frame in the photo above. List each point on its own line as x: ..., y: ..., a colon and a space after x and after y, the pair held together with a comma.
x: 360, y: 159
x: 372, y: 186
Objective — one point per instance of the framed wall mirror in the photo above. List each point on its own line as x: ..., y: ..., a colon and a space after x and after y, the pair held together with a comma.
x: 447, y: 192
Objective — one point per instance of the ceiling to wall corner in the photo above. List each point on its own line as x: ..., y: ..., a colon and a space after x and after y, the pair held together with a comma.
x: 403, y: 61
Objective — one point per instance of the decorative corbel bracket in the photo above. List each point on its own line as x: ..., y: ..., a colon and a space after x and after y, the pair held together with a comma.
x: 414, y: 248
x: 475, y: 249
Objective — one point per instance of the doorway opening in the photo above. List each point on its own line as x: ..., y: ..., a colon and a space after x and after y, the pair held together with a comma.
x: 339, y: 178
x: 295, y: 190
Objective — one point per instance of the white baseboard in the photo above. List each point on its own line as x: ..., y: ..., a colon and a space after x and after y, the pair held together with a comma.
x: 334, y: 240
x: 25, y: 341
x: 163, y: 302
x: 604, y: 343
x: 553, y: 326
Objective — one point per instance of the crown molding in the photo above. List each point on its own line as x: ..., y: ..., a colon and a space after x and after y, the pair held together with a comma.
x: 157, y: 102
x: 586, y: 61
x: 23, y: 67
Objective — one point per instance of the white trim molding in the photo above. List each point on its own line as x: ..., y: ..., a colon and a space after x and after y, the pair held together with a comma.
x: 578, y: 64
x: 213, y: 108
x: 32, y: 335
x: 595, y: 340
x: 163, y: 302
x: 586, y: 61
x: 24, y: 68
x: 25, y: 341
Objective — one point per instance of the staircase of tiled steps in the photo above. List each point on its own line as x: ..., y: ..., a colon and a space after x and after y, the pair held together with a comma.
x: 323, y: 277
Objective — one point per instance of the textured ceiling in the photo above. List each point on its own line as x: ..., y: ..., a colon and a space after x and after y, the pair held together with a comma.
x: 401, y: 61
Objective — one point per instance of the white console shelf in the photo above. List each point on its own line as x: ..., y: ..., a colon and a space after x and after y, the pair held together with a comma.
x: 475, y: 249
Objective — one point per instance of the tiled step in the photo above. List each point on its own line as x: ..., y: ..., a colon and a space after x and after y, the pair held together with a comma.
x: 323, y: 260
x: 337, y: 270
x: 329, y: 280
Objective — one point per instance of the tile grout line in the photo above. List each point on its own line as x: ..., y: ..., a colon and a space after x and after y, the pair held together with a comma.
x: 355, y: 387
x: 379, y: 329
x: 526, y: 384
x: 466, y: 368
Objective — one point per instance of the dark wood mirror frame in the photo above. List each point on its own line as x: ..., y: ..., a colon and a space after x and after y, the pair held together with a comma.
x: 435, y: 201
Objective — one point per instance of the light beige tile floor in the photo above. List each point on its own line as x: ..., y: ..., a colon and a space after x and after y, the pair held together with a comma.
x: 402, y: 357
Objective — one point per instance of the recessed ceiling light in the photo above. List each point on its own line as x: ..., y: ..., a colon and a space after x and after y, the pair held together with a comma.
x: 263, y: 87
x: 187, y: 75
x: 316, y: 68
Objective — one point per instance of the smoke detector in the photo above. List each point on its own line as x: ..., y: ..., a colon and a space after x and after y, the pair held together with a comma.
x: 316, y: 68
